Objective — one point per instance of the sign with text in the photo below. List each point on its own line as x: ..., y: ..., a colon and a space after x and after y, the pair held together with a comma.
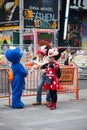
x: 46, y: 10
x: 67, y: 76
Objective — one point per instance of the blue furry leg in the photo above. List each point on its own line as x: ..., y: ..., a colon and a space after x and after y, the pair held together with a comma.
x: 17, y: 103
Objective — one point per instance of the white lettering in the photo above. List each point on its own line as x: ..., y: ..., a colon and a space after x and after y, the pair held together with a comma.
x: 47, y: 16
x: 46, y: 9
x: 33, y: 8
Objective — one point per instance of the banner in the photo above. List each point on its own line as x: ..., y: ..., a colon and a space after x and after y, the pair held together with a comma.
x: 45, y: 10
x: 67, y: 76
x: 9, y: 13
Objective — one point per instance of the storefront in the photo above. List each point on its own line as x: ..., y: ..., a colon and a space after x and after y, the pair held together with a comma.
x: 77, y: 25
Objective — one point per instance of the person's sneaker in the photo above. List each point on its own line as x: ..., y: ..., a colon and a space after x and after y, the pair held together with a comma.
x: 37, y: 103
x: 46, y: 103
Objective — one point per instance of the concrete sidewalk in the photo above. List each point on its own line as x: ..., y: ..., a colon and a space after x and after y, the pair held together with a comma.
x: 70, y: 114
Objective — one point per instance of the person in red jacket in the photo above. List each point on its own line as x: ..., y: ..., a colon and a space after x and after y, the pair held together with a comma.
x: 53, y: 75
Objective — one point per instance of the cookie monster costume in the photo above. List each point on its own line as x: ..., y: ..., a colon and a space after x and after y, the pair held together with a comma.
x: 19, y: 71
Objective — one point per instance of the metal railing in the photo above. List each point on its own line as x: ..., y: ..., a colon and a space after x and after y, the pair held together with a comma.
x: 33, y: 78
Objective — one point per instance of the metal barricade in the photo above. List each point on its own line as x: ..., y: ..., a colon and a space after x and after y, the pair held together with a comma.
x: 69, y: 81
x: 4, y: 84
x: 31, y: 82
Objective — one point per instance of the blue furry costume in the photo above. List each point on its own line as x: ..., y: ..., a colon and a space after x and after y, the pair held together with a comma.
x: 19, y: 72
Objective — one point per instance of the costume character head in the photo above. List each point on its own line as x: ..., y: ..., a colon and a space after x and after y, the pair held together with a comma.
x: 14, y: 54
x: 44, y: 42
x: 19, y: 71
x: 55, y: 52
x: 43, y: 50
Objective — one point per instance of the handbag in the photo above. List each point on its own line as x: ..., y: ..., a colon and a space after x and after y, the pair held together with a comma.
x: 48, y: 80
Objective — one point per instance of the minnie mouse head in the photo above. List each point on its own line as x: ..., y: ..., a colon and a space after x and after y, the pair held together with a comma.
x: 55, y: 52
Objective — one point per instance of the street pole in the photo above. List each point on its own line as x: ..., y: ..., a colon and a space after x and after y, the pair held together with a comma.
x: 59, y: 8
x: 21, y: 22
x: 66, y: 19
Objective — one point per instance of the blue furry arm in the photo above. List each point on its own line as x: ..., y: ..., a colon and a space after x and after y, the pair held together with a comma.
x: 22, y: 70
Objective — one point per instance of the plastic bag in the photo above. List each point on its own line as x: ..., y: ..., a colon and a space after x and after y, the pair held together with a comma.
x: 10, y: 75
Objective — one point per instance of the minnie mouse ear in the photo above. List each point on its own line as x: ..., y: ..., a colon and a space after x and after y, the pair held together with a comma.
x: 61, y: 49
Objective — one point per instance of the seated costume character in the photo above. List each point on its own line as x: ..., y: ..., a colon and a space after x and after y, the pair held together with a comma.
x: 53, y: 75
x: 19, y: 71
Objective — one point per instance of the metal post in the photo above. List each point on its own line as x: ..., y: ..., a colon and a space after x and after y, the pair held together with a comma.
x: 21, y: 22
x: 66, y: 19
x: 59, y: 8
x: 54, y: 37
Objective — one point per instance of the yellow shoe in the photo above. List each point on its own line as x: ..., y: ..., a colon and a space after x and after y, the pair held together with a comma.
x: 37, y: 103
x: 46, y: 103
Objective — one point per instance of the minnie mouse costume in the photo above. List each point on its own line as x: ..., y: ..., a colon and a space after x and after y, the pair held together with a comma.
x: 53, y: 74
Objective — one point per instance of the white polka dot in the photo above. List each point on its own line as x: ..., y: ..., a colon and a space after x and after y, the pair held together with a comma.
x: 50, y: 72
x: 54, y: 82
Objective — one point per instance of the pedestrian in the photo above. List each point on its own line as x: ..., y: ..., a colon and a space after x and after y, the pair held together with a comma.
x: 4, y: 46
x: 42, y: 59
x: 53, y: 75
x: 72, y: 3
x: 81, y: 3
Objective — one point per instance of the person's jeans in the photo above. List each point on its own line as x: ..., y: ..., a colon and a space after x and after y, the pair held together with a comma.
x: 39, y: 91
